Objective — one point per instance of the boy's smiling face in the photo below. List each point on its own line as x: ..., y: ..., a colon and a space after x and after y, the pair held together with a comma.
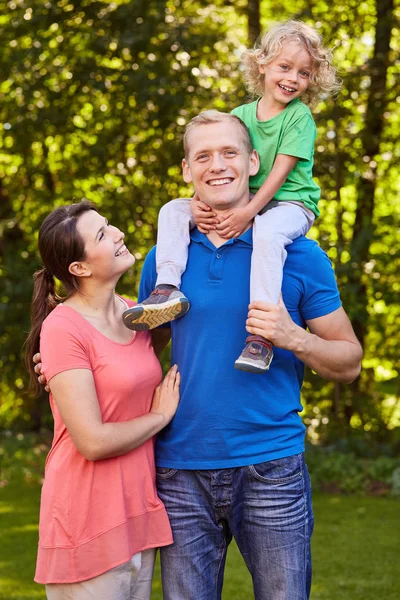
x: 219, y: 164
x: 287, y: 76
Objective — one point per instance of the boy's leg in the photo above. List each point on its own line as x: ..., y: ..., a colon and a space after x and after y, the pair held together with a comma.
x: 193, y: 566
x: 166, y: 302
x: 272, y: 523
x: 173, y: 238
x: 279, y: 225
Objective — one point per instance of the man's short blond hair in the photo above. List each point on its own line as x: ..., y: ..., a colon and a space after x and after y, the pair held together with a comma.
x: 208, y: 117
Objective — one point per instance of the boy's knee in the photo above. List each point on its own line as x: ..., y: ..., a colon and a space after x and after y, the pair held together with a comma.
x: 177, y: 206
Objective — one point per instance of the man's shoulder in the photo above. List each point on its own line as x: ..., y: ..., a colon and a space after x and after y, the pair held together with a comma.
x: 151, y: 255
x: 149, y: 265
x: 306, y: 252
x: 303, y: 244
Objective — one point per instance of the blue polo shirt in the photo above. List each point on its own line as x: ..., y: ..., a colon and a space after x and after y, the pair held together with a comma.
x: 229, y: 418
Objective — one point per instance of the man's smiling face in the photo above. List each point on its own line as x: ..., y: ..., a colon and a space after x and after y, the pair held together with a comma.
x: 219, y: 164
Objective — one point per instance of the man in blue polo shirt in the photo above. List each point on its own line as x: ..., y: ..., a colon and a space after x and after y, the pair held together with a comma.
x: 231, y: 462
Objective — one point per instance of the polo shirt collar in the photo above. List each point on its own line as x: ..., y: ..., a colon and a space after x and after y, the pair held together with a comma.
x: 200, y: 238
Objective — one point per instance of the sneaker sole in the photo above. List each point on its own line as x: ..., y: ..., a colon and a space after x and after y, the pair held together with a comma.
x: 142, y: 318
x: 250, y: 367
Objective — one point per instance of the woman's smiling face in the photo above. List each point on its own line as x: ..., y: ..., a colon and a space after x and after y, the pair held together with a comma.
x: 106, y: 255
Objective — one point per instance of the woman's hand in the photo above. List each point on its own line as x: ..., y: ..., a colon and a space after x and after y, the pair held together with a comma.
x: 204, y: 217
x: 166, y: 395
x: 38, y: 370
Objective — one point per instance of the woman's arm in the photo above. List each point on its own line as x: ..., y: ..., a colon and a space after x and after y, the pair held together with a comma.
x: 75, y: 396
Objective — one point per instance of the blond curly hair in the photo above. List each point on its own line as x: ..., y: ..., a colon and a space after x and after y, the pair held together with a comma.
x: 323, y: 78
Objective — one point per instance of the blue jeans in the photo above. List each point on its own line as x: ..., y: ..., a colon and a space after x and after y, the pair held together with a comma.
x: 265, y: 507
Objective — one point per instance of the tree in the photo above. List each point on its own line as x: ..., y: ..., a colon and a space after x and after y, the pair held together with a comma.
x: 94, y: 100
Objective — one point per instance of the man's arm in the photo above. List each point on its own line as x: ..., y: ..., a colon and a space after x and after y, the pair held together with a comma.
x: 330, y: 347
x: 160, y: 338
x: 161, y: 335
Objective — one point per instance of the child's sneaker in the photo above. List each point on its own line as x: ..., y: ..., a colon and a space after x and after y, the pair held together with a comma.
x: 164, y: 304
x: 257, y: 355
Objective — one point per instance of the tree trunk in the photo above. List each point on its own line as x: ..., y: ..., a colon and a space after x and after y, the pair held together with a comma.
x: 370, y: 138
x: 253, y: 20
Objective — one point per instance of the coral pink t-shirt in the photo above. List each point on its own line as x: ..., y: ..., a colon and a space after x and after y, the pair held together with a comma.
x: 95, y: 515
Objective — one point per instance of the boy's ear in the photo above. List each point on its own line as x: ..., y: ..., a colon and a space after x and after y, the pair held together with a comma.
x: 187, y: 176
x: 79, y: 269
x: 261, y: 69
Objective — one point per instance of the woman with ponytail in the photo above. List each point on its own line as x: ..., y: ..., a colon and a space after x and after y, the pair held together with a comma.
x: 100, y: 516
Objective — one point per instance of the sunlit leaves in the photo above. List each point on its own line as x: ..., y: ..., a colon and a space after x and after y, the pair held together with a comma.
x: 94, y: 98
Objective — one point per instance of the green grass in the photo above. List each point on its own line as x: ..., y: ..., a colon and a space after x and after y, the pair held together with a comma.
x: 355, y: 549
x: 19, y: 504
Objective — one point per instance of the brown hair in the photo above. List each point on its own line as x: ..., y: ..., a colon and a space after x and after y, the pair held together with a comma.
x: 208, y: 117
x: 323, y: 78
x: 59, y: 245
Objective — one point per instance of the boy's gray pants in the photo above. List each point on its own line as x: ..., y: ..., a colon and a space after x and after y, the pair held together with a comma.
x: 280, y: 223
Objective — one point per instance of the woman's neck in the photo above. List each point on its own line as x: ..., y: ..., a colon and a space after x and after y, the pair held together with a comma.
x: 97, y: 302
x: 103, y: 310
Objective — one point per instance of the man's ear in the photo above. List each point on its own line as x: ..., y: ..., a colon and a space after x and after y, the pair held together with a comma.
x: 187, y: 176
x: 79, y: 269
x: 254, y: 160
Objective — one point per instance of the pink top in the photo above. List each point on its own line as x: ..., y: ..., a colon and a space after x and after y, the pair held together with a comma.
x: 95, y: 515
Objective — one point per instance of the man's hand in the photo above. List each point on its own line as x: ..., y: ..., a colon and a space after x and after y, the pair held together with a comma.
x: 234, y: 222
x: 330, y: 347
x: 203, y: 215
x: 273, y: 322
x: 38, y: 370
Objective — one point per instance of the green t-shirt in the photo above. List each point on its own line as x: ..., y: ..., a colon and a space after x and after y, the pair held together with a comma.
x: 291, y: 132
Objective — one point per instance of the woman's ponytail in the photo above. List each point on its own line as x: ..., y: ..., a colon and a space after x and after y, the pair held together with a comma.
x: 59, y: 245
x: 44, y: 300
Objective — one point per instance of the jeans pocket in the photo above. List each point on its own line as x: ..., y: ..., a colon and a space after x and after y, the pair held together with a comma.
x: 281, y: 470
x: 165, y: 472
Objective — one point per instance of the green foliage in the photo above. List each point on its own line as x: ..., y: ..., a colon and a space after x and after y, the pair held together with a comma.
x: 346, y: 473
x: 22, y: 457
x: 396, y: 482
x: 94, y: 100
x: 93, y: 104
x: 355, y: 163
